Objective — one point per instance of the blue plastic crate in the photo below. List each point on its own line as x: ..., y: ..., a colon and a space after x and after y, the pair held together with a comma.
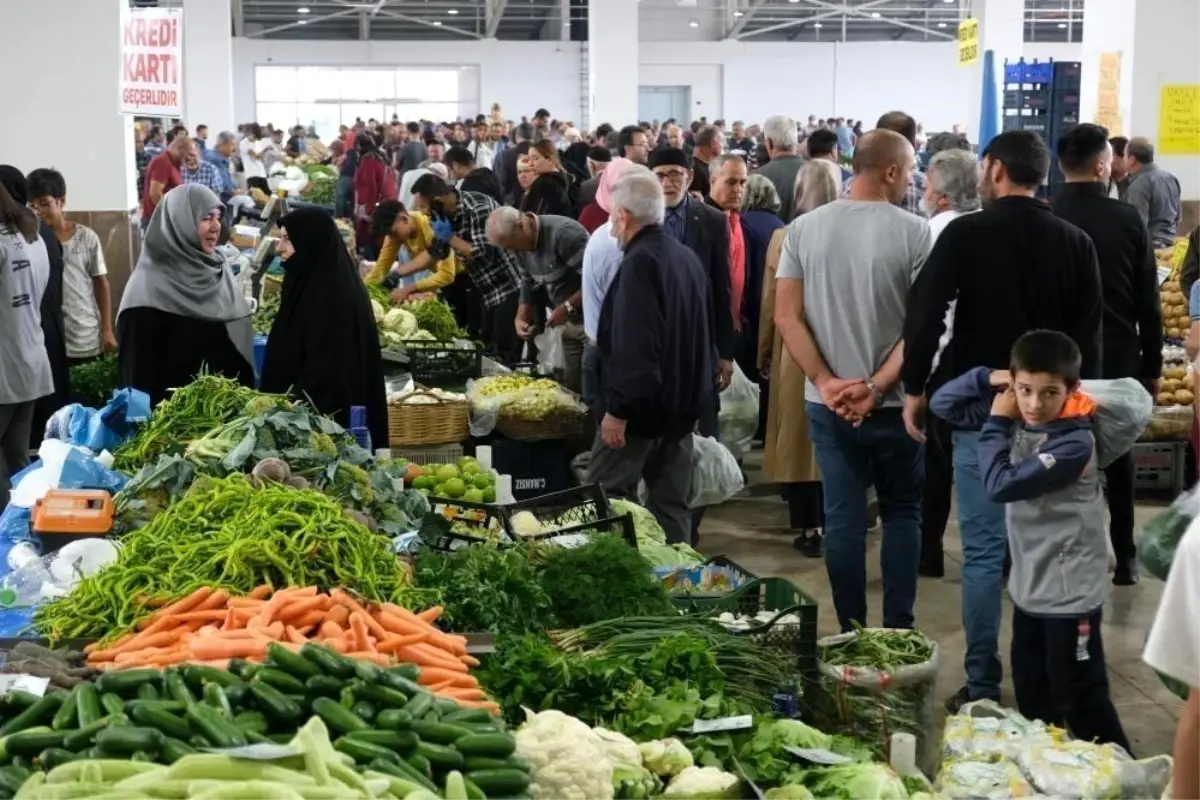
x: 1038, y: 72
x: 1013, y: 72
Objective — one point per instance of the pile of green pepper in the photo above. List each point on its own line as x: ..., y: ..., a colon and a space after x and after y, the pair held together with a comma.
x: 228, y: 534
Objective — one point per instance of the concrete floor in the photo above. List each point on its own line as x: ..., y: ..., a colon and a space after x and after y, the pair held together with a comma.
x: 752, y: 530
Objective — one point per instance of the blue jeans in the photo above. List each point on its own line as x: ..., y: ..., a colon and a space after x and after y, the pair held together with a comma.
x: 851, y: 459
x: 981, y: 527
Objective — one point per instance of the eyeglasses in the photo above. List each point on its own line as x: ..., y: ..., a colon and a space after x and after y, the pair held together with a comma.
x: 673, y: 175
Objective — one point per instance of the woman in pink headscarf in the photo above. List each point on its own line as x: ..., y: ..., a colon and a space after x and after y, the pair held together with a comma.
x: 595, y: 213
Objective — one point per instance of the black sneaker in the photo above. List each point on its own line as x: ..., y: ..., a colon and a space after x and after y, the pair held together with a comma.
x: 1126, y: 573
x: 931, y: 569
x: 810, y: 545
x: 960, y: 699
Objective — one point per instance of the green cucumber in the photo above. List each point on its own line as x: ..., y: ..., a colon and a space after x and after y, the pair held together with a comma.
x: 236, y: 693
x: 401, y: 682
x: 214, y: 696
x: 164, y: 721
x: 443, y: 733
x: 29, y: 743
x: 364, y: 752
x: 197, y: 675
x: 40, y: 713
x: 323, y: 686
x: 209, y: 723
x: 235, y: 667
x: 337, y: 717
x: 444, y: 705
x: 82, y: 738
x: 421, y: 703
x: 398, y: 741
x: 393, y: 719
x: 111, y: 703
x: 473, y: 790
x: 148, y: 691
x: 330, y: 663
x: 367, y: 672
x: 383, y: 696
x: 12, y: 779
x: 126, y: 741
x: 403, y: 770
x: 127, y: 681
x: 292, y: 663
x: 169, y: 706
x: 500, y: 782
x: 283, y: 681
x: 87, y: 704
x: 174, y: 749
x: 66, y: 717
x: 52, y: 757
x: 477, y: 763
x: 493, y: 745
x: 279, y: 708
x: 441, y: 758
x: 409, y: 671
x: 420, y: 763
x: 251, y: 721
x: 176, y: 687
x: 476, y: 715
x: 364, y: 709
x: 17, y: 701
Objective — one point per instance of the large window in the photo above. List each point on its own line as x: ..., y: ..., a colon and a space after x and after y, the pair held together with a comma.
x: 326, y: 97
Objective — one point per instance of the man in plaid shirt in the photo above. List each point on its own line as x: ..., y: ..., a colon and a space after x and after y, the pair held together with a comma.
x: 196, y: 170
x: 906, y: 126
x: 492, y: 269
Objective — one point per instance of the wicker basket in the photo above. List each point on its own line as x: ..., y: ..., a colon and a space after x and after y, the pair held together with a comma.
x: 562, y: 423
x: 418, y: 424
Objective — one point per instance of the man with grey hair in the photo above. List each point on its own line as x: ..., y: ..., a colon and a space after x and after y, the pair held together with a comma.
x: 951, y: 190
x: 1153, y: 191
x: 780, y: 135
x: 656, y: 366
x: 549, y: 255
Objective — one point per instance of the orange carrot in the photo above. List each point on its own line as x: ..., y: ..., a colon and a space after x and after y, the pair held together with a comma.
x: 261, y: 592
x: 338, y: 614
x: 439, y: 687
x: 358, y: 627
x: 439, y: 657
x: 398, y: 625
x: 200, y: 616
x: 272, y: 607
x: 214, y: 600
x: 430, y: 614
x: 186, y: 604
x: 392, y: 642
x: 433, y: 675
x: 336, y: 645
x: 485, y: 704
x: 292, y: 635
x: 461, y: 693
x: 245, y: 603
x: 309, y: 620
x: 470, y: 661
x: 275, y: 630
x: 230, y: 622
x: 372, y: 624
x: 331, y: 630
x: 211, y: 647
x: 375, y: 658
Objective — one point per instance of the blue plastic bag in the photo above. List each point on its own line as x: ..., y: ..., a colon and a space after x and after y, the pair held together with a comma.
x: 100, y: 429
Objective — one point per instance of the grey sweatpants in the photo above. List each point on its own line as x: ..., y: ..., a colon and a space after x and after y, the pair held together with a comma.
x: 15, y: 422
x: 666, y: 466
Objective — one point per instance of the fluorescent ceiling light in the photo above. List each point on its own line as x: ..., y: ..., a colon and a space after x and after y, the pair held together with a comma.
x: 437, y: 22
x: 452, y: 11
x: 941, y: 24
x: 1062, y: 24
x: 739, y: 14
x: 694, y: 24
x: 874, y: 15
x: 302, y: 10
x: 302, y: 22
x: 816, y: 25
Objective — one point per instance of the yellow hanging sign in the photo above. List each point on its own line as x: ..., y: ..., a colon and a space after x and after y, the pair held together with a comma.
x: 968, y: 42
x: 1108, y: 111
x: 1179, y: 120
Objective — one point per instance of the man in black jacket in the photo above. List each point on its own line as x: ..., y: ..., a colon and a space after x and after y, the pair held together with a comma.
x: 1014, y: 267
x: 1132, y: 317
x: 523, y: 135
x: 656, y: 371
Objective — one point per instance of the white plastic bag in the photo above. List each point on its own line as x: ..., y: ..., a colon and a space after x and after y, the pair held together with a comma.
x: 737, y: 420
x: 1123, y: 408
x: 716, y: 476
x: 551, y: 356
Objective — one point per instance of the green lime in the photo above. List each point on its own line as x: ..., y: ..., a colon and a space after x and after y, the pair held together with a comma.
x: 424, y: 482
x: 473, y: 496
x: 489, y: 494
x: 439, y: 490
x: 470, y: 468
x: 455, y: 487
x: 447, y: 472
x: 481, y: 480
x: 429, y: 469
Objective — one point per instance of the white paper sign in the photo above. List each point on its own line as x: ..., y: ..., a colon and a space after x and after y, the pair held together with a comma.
x: 152, y: 62
x: 723, y: 724
x: 24, y: 683
x: 817, y: 755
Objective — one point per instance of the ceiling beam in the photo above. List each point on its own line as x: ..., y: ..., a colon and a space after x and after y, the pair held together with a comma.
x: 495, y: 12
x: 428, y: 24
x: 838, y: 10
x: 364, y: 26
x: 739, y: 24
x: 856, y: 11
x: 335, y: 15
x: 239, y: 17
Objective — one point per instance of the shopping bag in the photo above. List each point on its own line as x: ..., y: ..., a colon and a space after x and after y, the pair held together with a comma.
x: 551, y: 356
x: 1123, y: 408
x: 716, y: 476
x: 737, y: 421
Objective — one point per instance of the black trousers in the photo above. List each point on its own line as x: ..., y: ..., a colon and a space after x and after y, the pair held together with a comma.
x: 499, y: 331
x: 806, y: 505
x: 1118, y: 488
x: 939, y: 474
x: 1059, y: 675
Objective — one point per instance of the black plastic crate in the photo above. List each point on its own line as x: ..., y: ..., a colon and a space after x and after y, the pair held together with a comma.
x: 537, y: 468
x: 439, y: 363
x: 578, y: 511
x: 796, y: 638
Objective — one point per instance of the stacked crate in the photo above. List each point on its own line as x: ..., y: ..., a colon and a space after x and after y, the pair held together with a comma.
x: 1043, y: 98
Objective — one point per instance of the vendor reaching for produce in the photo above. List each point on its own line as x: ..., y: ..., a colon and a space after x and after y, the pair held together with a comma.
x: 397, y: 226
x: 182, y: 313
x: 323, y: 345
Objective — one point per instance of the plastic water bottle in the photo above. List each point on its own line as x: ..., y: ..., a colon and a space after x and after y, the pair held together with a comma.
x: 26, y: 585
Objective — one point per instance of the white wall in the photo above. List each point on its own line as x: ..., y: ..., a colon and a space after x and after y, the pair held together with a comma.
x: 728, y: 79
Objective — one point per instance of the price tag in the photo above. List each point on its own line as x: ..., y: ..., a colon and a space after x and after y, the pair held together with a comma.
x: 261, y: 751
x: 24, y: 683
x: 723, y: 724
x: 817, y: 755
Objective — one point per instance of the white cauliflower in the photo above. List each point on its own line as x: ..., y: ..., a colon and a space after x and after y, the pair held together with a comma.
x: 399, y: 320
x: 526, y: 524
x: 703, y: 783
x: 619, y: 746
x: 666, y: 756
x: 568, y: 761
x: 378, y: 310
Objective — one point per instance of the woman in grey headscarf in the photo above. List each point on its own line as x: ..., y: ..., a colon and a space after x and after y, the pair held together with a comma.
x: 182, y: 311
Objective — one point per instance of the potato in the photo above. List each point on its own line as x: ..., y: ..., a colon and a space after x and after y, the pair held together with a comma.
x: 1184, y: 397
x: 1170, y: 385
x: 1173, y: 333
x: 1170, y: 286
x: 1164, y: 399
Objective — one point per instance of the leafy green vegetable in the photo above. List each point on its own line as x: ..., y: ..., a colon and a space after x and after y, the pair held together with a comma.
x: 93, y: 382
x: 484, y: 588
x: 880, y: 649
x: 436, y: 317
x: 789, y: 792
x: 852, y: 781
x: 580, y: 582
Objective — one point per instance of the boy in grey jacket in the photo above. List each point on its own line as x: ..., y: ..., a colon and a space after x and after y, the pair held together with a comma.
x: 1037, y: 454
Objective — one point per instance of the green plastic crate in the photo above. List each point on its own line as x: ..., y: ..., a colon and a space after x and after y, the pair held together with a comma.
x: 780, y: 596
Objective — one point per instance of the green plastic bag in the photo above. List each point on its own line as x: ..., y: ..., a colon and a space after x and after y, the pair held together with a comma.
x: 1160, y: 536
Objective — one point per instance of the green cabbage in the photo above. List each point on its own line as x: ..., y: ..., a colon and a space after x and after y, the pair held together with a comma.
x: 852, y: 781
x: 792, y: 791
